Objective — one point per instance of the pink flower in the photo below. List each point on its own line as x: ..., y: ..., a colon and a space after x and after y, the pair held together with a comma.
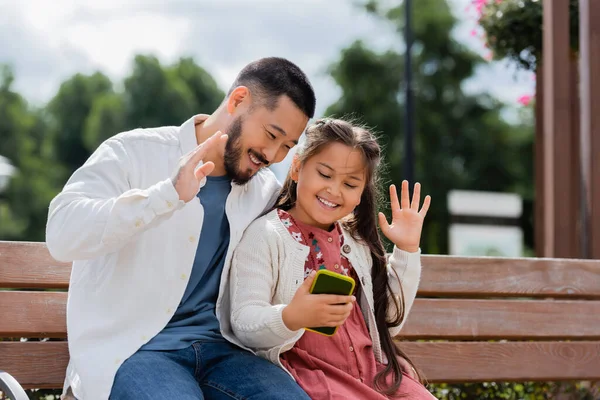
x: 525, y: 99
x: 498, y: 1
x: 488, y: 56
x: 474, y: 32
x: 479, y: 4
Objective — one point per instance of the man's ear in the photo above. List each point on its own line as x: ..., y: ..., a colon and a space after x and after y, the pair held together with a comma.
x: 240, y: 96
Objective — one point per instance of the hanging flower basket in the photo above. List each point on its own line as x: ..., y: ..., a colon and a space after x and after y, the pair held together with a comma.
x: 513, y: 29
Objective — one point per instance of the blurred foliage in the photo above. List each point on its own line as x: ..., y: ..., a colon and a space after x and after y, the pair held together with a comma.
x: 461, y: 140
x: 513, y: 29
x: 517, y: 391
x: 46, y: 145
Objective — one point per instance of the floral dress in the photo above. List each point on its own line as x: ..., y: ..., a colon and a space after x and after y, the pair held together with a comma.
x: 341, y: 366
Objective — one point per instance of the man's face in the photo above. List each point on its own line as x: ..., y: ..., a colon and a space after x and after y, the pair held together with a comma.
x: 261, y: 137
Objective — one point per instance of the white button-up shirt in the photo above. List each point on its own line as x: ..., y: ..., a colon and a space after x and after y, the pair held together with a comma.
x: 133, y: 243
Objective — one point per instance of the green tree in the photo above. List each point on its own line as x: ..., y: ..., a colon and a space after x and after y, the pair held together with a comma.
x: 46, y: 145
x: 24, y: 205
x: 154, y: 95
x: 106, y: 118
x: 461, y: 140
x: 68, y: 111
x: 204, y: 88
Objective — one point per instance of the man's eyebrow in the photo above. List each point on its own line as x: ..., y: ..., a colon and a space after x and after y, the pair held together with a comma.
x: 281, y: 130
x: 278, y: 128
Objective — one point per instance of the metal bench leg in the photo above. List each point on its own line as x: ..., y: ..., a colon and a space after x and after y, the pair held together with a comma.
x: 10, y: 387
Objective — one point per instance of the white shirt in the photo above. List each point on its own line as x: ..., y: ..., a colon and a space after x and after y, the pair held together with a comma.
x: 132, y: 243
x: 268, y: 268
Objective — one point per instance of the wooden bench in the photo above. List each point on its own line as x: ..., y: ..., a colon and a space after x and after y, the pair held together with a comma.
x: 542, y: 315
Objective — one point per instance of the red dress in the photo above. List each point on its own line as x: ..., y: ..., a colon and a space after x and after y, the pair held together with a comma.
x: 342, y: 366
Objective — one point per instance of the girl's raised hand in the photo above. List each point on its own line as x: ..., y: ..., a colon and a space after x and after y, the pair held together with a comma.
x: 407, y: 219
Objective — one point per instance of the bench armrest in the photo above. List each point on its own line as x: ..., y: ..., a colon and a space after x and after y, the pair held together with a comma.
x: 11, y: 388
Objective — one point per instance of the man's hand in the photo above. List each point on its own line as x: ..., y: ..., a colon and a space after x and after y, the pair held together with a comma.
x: 187, y: 178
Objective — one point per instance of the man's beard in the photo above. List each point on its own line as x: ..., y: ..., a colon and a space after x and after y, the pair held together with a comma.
x: 234, y: 152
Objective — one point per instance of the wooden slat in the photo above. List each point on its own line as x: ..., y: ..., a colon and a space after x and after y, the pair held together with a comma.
x: 510, y: 361
x: 35, y: 364
x: 519, y: 277
x: 29, y: 265
x: 502, y: 319
x: 42, y: 314
x: 42, y: 365
x: 33, y: 314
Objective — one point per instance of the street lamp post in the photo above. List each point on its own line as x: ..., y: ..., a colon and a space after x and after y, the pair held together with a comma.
x: 409, y: 105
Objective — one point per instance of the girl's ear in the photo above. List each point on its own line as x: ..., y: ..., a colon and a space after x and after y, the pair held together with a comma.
x: 295, y: 168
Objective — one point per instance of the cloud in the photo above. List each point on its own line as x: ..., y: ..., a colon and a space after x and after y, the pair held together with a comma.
x: 48, y: 41
x: 222, y: 37
x: 37, y: 64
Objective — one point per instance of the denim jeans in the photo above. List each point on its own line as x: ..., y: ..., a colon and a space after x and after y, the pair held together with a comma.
x: 206, y: 370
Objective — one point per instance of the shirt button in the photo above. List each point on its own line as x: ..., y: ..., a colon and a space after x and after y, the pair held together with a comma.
x: 351, y: 348
x: 144, y: 337
x: 183, y: 277
x: 169, y: 204
x: 138, y: 223
x: 191, y: 239
x: 169, y: 311
x: 336, y: 266
x: 330, y: 239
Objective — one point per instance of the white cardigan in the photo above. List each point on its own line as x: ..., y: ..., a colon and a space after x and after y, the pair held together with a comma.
x: 268, y: 267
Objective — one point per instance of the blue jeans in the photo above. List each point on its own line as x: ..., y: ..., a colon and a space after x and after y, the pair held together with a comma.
x: 206, y: 370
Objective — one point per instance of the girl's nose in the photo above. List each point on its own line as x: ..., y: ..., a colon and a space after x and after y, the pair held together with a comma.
x: 333, y: 189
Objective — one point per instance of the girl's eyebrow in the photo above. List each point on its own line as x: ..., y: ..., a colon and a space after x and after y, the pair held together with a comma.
x: 355, y: 177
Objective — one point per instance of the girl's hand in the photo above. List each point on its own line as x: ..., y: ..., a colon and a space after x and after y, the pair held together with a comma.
x: 315, y: 310
x: 407, y: 221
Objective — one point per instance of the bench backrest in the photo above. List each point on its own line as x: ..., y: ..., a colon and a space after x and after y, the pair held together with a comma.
x: 541, y: 315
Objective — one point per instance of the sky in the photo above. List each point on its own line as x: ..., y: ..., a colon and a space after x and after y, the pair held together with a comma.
x: 47, y: 41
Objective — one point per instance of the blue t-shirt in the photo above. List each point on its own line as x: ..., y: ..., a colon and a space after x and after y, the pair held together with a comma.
x: 195, y: 318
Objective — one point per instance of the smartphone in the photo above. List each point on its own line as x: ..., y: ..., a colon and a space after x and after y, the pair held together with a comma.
x: 329, y: 282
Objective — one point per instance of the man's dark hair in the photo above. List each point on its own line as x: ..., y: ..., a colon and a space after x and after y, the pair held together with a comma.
x: 270, y: 78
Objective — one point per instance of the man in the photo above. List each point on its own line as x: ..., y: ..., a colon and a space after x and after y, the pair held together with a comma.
x: 149, y: 221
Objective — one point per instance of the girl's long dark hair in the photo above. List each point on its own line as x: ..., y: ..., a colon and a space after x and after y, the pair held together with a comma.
x: 362, y: 224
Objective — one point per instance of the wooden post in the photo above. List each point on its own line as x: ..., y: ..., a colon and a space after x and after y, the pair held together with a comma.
x: 589, y: 44
x: 560, y: 233
x: 575, y: 171
x: 538, y: 166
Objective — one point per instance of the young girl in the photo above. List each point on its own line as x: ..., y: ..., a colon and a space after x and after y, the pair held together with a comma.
x: 325, y: 219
